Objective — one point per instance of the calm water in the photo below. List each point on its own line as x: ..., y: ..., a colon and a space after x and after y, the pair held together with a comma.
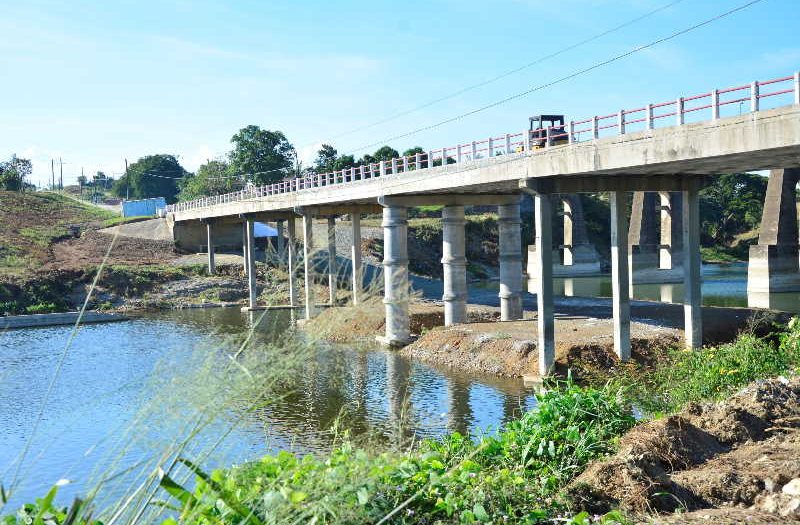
x: 113, y: 372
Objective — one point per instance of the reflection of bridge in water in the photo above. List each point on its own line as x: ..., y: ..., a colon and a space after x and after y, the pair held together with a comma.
x: 661, y: 153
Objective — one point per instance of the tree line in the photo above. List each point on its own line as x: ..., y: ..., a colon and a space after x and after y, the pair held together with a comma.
x: 13, y: 174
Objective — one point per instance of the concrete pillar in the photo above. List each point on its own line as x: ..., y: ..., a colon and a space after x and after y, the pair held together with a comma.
x: 692, y: 303
x: 251, y: 262
x: 643, y: 239
x: 332, y: 260
x: 671, y: 209
x: 291, y: 260
x: 580, y: 257
x: 280, y: 244
x: 395, y: 275
x: 545, y: 321
x: 454, y: 262
x: 355, y: 255
x: 773, y: 265
x: 509, y: 226
x: 210, y: 243
x: 308, y: 250
x: 246, y: 264
x: 621, y: 305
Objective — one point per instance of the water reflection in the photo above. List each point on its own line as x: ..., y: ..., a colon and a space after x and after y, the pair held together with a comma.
x: 112, y: 370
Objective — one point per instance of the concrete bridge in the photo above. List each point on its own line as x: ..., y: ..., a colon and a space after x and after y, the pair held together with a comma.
x: 665, y: 150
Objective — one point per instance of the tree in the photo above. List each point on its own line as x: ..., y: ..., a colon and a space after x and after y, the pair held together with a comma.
x: 260, y: 155
x: 731, y: 205
x: 13, y: 173
x: 386, y: 153
x: 82, y: 180
x: 151, y: 176
x: 212, y: 178
x: 326, y: 157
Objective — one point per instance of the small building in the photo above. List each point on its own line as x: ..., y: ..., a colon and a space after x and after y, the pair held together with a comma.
x: 143, y: 207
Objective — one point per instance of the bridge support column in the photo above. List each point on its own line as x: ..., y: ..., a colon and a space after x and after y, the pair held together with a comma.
x: 773, y: 265
x: 246, y: 264
x: 355, y: 255
x: 580, y: 257
x: 291, y: 260
x: 621, y: 305
x: 545, y: 321
x: 395, y: 275
x: 692, y: 302
x: 280, y: 244
x: 509, y: 226
x: 332, y: 260
x: 669, y: 256
x: 210, y: 243
x: 642, y: 250
x: 308, y: 253
x: 250, y: 248
x: 454, y: 262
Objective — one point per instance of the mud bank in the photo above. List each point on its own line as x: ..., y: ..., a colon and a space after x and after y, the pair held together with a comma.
x: 737, y: 461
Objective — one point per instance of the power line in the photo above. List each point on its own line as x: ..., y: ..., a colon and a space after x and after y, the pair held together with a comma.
x: 562, y: 79
x: 514, y: 71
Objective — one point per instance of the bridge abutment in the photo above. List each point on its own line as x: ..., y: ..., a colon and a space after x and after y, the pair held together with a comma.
x: 774, y: 265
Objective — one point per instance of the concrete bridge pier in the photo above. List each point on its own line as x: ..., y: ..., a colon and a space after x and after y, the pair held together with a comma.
x: 580, y: 257
x: 355, y: 254
x: 510, y: 244
x: 395, y: 275
x: 545, y: 316
x: 332, y: 280
x: 250, y: 249
x: 620, y: 276
x: 454, y: 263
x: 643, y: 241
x: 291, y: 260
x: 308, y: 252
x: 212, y: 268
x: 670, y: 250
x: 692, y: 280
x: 280, y: 241
x: 773, y: 266
x: 245, y: 253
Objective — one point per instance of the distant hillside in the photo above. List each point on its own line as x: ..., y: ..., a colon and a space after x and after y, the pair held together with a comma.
x: 31, y: 222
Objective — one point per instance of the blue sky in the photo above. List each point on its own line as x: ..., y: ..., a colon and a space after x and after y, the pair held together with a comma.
x: 97, y: 82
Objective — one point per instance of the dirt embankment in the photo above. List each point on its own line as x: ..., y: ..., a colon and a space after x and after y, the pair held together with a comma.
x: 737, y: 461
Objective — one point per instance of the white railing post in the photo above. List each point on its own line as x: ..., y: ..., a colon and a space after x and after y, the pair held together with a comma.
x: 548, y: 137
x: 525, y: 140
x: 394, y: 165
x: 458, y: 154
x: 679, y: 111
x: 595, y: 131
x: 430, y: 159
x: 621, y: 121
x: 797, y: 87
x: 508, y: 143
x: 382, y: 168
x: 715, y: 104
x: 489, y: 148
x: 474, y: 150
x: 649, y: 116
x: 444, y: 157
x: 754, y: 96
x: 571, y: 132
x: 418, y: 161
x: 405, y: 163
x: 361, y: 172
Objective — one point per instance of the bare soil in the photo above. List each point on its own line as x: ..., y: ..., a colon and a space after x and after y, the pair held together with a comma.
x: 91, y: 247
x: 736, y: 457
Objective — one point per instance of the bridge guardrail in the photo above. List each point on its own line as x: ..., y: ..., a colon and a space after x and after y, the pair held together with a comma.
x: 596, y: 126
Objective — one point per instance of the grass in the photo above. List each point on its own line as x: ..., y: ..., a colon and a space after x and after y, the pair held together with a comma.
x: 116, y: 221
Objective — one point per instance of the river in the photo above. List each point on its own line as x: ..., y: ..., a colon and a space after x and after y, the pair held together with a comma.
x: 99, y: 416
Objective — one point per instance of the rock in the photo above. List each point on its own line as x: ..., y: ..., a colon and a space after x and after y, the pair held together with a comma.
x: 769, y: 485
x: 792, y: 488
x: 524, y: 348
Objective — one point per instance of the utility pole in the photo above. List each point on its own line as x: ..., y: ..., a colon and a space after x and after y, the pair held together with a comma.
x: 127, y: 181
x: 52, y: 175
x: 81, y: 182
x: 61, y: 176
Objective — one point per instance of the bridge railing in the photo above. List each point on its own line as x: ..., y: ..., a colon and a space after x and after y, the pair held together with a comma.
x: 674, y: 112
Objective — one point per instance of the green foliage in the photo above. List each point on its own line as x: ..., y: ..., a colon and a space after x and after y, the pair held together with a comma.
x: 116, y: 221
x: 151, y: 176
x: 212, y: 178
x: 13, y: 173
x: 457, y: 479
x: 714, y: 372
x: 44, y: 512
x: 262, y: 156
x: 731, y: 205
x: 41, y: 308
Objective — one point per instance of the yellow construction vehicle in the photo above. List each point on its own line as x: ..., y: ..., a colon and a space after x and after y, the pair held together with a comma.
x: 538, y: 131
